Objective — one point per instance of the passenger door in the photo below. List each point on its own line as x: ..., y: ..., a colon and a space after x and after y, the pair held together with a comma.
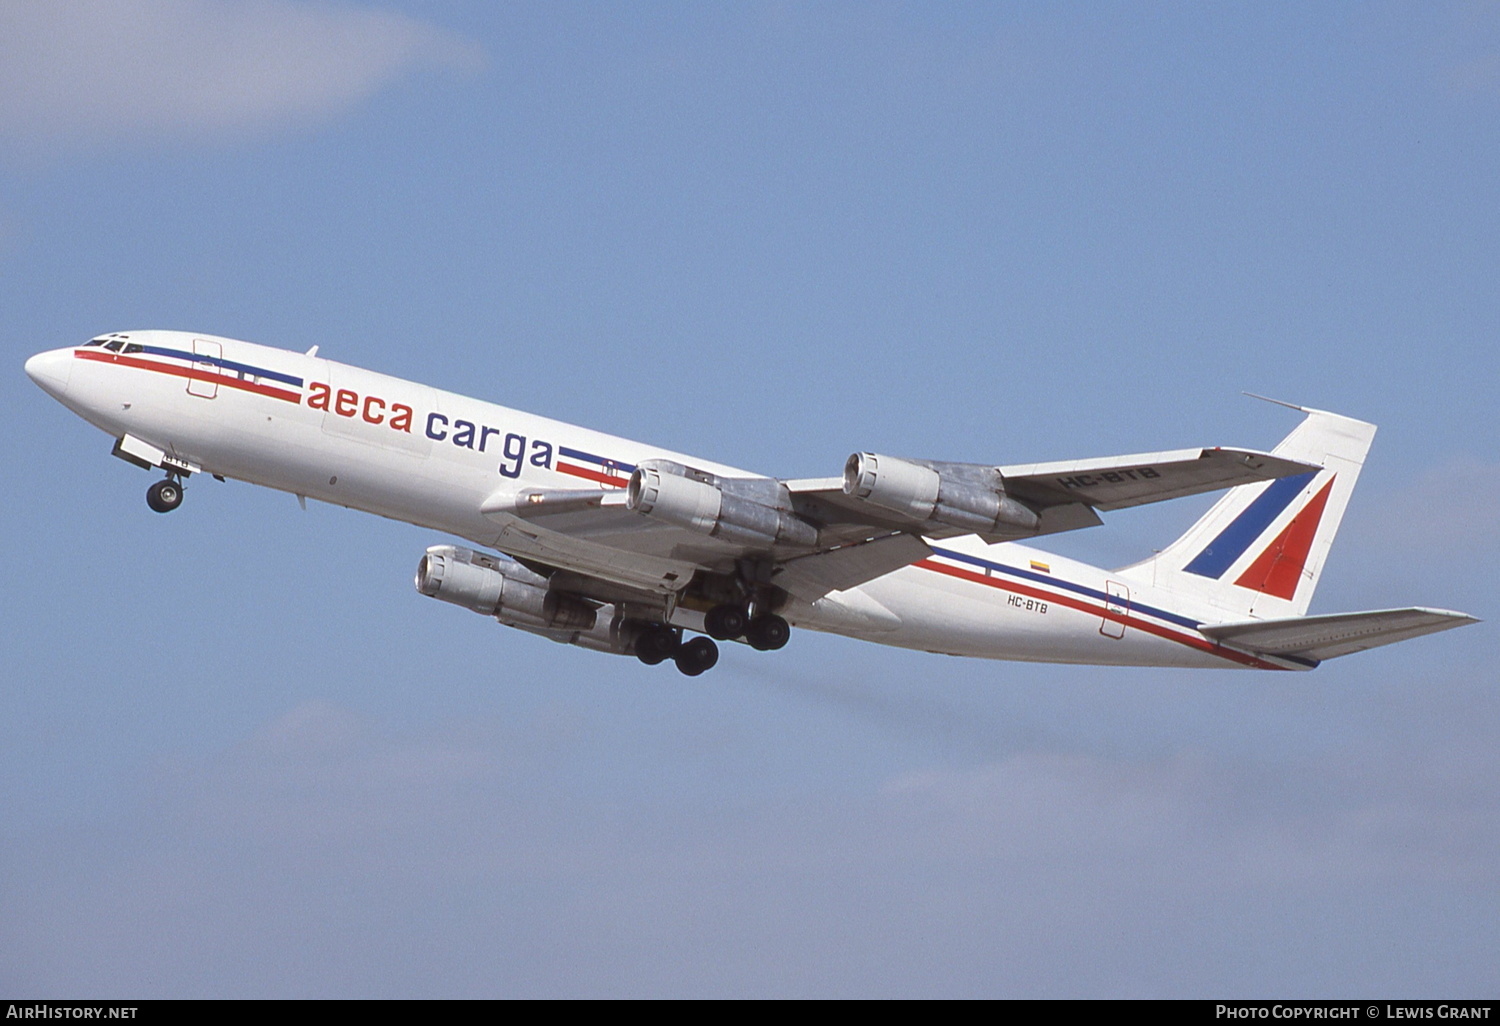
x: 1117, y: 602
x: 213, y: 352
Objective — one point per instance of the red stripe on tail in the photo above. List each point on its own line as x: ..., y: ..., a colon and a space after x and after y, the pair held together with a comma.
x: 1278, y: 569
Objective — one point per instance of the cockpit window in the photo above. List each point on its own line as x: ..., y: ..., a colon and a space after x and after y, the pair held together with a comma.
x: 114, y: 345
x: 134, y: 347
x: 93, y: 342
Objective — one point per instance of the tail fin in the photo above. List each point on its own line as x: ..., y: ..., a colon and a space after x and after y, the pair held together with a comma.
x: 1259, y: 551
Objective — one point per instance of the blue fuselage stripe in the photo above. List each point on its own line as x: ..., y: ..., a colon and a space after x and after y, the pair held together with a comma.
x: 239, y: 368
x: 1242, y: 531
x: 588, y: 457
x: 1051, y: 581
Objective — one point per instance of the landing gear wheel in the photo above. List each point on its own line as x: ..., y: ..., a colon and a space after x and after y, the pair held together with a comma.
x: 164, y: 496
x: 696, y: 656
x: 768, y: 633
x: 725, y: 622
x: 656, y: 645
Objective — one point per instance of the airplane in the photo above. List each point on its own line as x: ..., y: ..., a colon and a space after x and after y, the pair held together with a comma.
x: 625, y: 548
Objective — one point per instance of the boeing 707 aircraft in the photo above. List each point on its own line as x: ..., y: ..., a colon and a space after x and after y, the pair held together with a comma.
x: 622, y: 547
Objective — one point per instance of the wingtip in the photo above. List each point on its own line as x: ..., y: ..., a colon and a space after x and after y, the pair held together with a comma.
x: 1449, y: 618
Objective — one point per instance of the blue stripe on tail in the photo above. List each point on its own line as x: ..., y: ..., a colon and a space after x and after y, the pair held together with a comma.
x: 1242, y: 531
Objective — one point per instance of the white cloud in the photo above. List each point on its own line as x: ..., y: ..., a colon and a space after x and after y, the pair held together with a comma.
x: 1198, y: 826
x: 75, y: 68
x: 321, y: 858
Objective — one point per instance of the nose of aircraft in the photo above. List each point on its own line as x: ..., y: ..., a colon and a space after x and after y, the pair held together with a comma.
x: 50, y: 370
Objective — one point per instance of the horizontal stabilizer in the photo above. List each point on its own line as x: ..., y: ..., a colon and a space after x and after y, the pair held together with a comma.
x: 1120, y: 481
x: 1335, y: 634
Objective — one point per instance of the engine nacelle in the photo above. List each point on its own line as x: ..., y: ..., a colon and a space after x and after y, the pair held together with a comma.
x: 970, y: 497
x: 612, y: 632
x: 665, y: 491
x: 504, y: 589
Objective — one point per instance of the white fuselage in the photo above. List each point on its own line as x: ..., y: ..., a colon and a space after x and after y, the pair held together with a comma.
x: 368, y: 441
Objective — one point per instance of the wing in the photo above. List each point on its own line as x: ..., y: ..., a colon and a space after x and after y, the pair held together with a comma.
x: 1335, y: 634
x: 1063, y: 496
x: 1124, y: 481
x: 595, y: 532
x: 811, y: 537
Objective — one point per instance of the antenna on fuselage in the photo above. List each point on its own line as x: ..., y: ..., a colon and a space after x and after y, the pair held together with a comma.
x: 314, y: 352
x: 1252, y: 395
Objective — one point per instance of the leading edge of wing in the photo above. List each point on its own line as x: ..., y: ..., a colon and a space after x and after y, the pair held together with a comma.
x: 1334, y: 634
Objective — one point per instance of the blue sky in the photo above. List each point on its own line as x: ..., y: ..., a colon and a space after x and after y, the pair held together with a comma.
x: 240, y: 756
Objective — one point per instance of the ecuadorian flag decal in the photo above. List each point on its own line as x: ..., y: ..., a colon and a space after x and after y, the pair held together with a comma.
x: 1278, y: 568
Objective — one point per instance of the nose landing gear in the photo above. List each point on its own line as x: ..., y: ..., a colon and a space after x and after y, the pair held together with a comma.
x: 164, y: 496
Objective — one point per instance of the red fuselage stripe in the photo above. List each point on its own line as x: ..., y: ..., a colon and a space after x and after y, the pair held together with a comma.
x: 194, y: 373
x: 592, y: 475
x: 1072, y: 602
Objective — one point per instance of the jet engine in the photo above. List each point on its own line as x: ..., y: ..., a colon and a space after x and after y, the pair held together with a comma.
x: 968, y: 496
x: 613, y: 632
x: 700, y: 502
x: 503, y: 589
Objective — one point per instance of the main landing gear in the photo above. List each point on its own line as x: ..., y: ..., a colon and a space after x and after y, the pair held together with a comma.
x: 658, y: 644
x: 766, y: 632
x: 725, y: 622
x: 164, y: 496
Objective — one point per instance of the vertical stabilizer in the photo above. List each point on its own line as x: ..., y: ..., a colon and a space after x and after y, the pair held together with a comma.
x: 1260, y: 550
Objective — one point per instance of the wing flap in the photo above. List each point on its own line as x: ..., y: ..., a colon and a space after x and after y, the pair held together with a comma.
x: 1335, y: 634
x: 811, y: 577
